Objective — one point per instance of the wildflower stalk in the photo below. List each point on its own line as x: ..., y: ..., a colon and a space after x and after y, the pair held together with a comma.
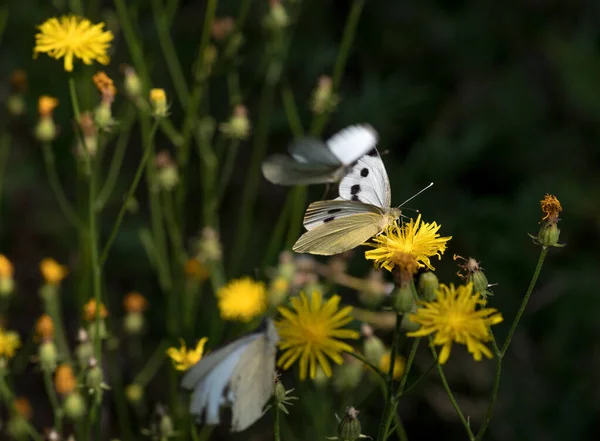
x: 291, y: 111
x: 56, y: 407
x: 52, y: 308
x: 59, y: 194
x: 409, y: 363
x: 227, y: 169
x: 368, y: 363
x: 152, y: 365
x: 500, y: 353
x: 276, y: 423
x: 419, y: 380
x: 136, y: 180
x: 119, y: 396
x: 277, y: 236
x: 391, y: 400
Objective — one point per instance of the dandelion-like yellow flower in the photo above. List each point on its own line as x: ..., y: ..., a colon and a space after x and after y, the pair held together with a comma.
x: 454, y: 316
x: 399, y: 365
x: 89, y: 310
x: 551, y: 208
x: 53, y: 272
x: 9, y: 343
x: 310, y: 332
x: 135, y: 302
x: 73, y: 37
x: 64, y: 379
x: 242, y: 299
x: 184, y: 358
x: 415, y: 238
x: 6, y: 268
x: 44, y: 327
x: 46, y: 105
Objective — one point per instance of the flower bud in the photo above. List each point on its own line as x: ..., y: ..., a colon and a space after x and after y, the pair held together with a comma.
x: 349, y: 428
x: 45, y: 130
x: 15, y: 105
x: 278, y: 289
x: 158, y: 101
x: 83, y: 352
x: 210, y: 249
x: 134, y: 393
x: 48, y: 355
x: 279, y: 392
x: 74, y: 406
x: 407, y: 324
x: 428, y: 286
x: 373, y: 349
x: 549, y: 234
x: 277, y: 18
x: 103, y: 116
x: 238, y: 126
x: 134, y: 323
x: 168, y: 177
x: 94, y: 377
x: 165, y: 426
x: 7, y: 286
x: 133, y: 85
x: 480, y: 283
x: 348, y: 375
x: 402, y: 299
x: 204, y: 68
x: 323, y: 98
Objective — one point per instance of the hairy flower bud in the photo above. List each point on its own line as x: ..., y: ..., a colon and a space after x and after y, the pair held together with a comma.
x: 48, y: 355
x: 134, y: 323
x: 402, y: 299
x: 74, y: 406
x: 45, y: 130
x: 349, y: 428
x: 428, y: 285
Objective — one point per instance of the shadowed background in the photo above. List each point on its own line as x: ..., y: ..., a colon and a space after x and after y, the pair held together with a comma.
x: 498, y: 104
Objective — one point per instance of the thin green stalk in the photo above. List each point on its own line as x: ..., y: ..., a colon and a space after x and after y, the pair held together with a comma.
x: 76, y: 7
x: 5, y: 140
x: 277, y: 236
x: 457, y: 408
x: 117, y: 160
x: 276, y: 423
x: 133, y: 42
x: 409, y: 363
x: 138, y: 175
x: 525, y: 300
x: 419, y: 380
x: 233, y: 88
x: 152, y: 365
x: 59, y: 194
x: 291, y: 111
x: 227, y: 169
x: 161, y: 20
x: 56, y: 407
x: 175, y: 234
x: 391, y: 400
x: 242, y: 14
x: 400, y: 430
x: 340, y: 65
x: 116, y: 383
x: 51, y: 300
x: 368, y: 363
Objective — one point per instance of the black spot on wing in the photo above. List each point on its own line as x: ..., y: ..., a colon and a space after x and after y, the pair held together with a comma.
x: 364, y: 172
x: 329, y: 219
x: 334, y: 210
x: 355, y: 198
x: 373, y: 153
x: 355, y: 189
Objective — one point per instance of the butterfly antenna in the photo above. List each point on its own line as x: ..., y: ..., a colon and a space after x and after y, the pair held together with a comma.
x: 417, y: 194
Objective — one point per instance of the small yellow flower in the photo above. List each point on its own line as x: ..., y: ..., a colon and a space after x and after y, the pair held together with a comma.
x: 158, y: 100
x: 73, y: 37
x: 135, y: 302
x: 89, y: 310
x: 242, y: 299
x: 64, y: 379
x: 551, y: 208
x: 456, y: 315
x: 184, y: 358
x: 46, y: 105
x: 53, y: 272
x: 9, y: 343
x: 310, y: 332
x: 399, y: 365
x: 415, y: 238
x: 44, y: 327
x: 104, y: 84
x: 194, y: 269
x: 6, y: 268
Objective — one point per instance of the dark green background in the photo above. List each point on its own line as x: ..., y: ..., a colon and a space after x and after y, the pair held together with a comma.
x: 498, y: 103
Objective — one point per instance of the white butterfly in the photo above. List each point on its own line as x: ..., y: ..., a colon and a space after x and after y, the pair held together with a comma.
x: 360, y: 212
x: 312, y: 161
x: 241, y: 374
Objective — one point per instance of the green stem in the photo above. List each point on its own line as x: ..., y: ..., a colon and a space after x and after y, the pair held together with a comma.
x: 4, y: 153
x: 368, y: 363
x: 51, y: 300
x: 340, y: 65
x: 61, y: 198
x: 136, y: 180
x: 51, y: 392
x: 152, y: 365
x: 161, y: 21
x: 133, y: 42
x: 291, y: 111
x: 76, y: 7
x: 227, y: 169
x: 277, y: 235
x: 515, y: 322
x: 419, y: 380
x: 409, y: 363
x: 400, y: 430
x: 117, y: 160
x: 116, y: 383
x: 276, y: 423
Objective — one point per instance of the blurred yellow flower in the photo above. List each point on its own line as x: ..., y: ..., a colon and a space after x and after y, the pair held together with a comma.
x: 158, y: 101
x: 9, y: 343
x: 242, y: 299
x: 104, y: 83
x: 454, y: 316
x: 44, y: 327
x: 310, y: 332
x: 46, y: 105
x: 184, y: 358
x: 89, y: 310
x: 6, y: 268
x: 53, y: 272
x: 194, y: 269
x: 399, y: 365
x: 135, y: 302
x: 73, y: 37
x: 415, y: 238
x: 550, y: 207
x: 64, y: 379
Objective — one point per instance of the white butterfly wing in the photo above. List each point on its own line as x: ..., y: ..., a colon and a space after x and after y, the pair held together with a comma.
x: 353, y: 142
x: 323, y: 212
x: 341, y: 234
x: 367, y: 182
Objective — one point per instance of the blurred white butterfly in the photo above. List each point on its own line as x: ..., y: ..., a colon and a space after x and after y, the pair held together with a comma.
x: 241, y: 375
x: 312, y: 161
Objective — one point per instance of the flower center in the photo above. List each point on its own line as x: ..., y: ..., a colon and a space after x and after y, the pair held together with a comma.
x: 315, y: 331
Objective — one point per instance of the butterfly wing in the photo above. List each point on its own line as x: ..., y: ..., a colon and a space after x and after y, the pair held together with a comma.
x: 367, y: 182
x: 342, y: 234
x: 351, y: 143
x: 323, y: 212
x: 285, y: 170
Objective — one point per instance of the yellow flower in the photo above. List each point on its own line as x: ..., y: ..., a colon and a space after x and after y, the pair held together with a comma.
x: 419, y: 240
x: 399, y: 365
x: 46, y: 105
x: 184, y: 358
x: 73, y: 37
x: 89, y: 310
x: 454, y: 316
x: 551, y: 208
x: 158, y: 100
x: 6, y: 268
x: 310, y: 332
x: 194, y: 269
x: 135, y: 302
x: 44, y: 327
x: 52, y: 271
x: 9, y: 343
x: 64, y: 379
x: 242, y: 299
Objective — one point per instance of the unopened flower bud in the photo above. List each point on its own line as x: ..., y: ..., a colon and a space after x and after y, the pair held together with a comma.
x: 428, y: 286
x: 278, y: 289
x: 277, y: 18
x: 7, y: 286
x: 323, y: 98
x: 48, y: 355
x: 549, y: 234
x: 402, y: 299
x: 103, y: 116
x: 15, y: 105
x: 134, y: 323
x: 349, y: 428
x: 74, y: 406
x: 45, y: 130
x: 238, y: 126
x: 133, y: 85
x: 166, y: 427
x: 348, y: 375
x: 83, y: 352
x: 204, y: 68
x: 210, y: 249
x: 158, y: 101
x: 134, y: 393
x: 94, y: 377
x: 407, y: 324
x: 373, y: 348
x: 279, y: 392
x: 168, y: 177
